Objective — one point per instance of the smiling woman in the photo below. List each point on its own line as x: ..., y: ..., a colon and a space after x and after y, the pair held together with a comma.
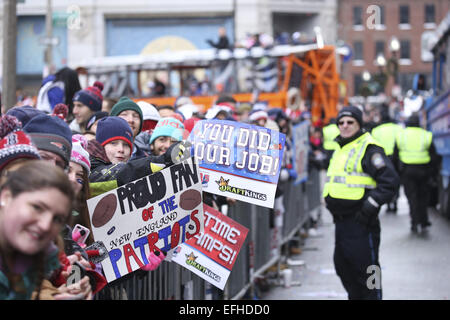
x: 30, y: 220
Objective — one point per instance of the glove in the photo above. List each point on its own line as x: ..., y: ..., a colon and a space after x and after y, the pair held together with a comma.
x: 368, y: 214
x: 177, y: 152
x: 155, y: 258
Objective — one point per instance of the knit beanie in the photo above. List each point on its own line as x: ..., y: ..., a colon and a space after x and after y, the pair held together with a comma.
x: 126, y: 103
x: 351, y: 111
x: 51, y: 134
x: 255, y: 115
x: 168, y: 127
x: 189, y: 124
x: 178, y: 116
x: 79, y: 152
x: 24, y: 113
x: 188, y: 110
x: 114, y: 128
x: 149, y: 112
x: 91, y: 96
x: 14, y: 143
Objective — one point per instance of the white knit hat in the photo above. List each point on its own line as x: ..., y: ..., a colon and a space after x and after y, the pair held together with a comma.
x: 188, y: 110
x: 149, y: 111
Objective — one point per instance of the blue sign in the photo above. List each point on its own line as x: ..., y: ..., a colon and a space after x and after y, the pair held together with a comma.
x: 239, y: 149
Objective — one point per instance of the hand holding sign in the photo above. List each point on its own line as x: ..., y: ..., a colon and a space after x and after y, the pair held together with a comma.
x: 178, y: 152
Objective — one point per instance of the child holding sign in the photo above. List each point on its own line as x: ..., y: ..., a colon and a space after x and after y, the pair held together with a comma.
x: 167, y: 132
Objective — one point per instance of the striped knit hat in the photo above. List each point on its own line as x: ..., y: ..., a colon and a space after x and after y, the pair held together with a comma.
x: 14, y: 143
x: 91, y: 96
x: 79, y: 152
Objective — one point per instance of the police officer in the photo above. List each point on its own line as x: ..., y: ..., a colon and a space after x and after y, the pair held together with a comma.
x: 360, y: 179
x: 418, y: 163
x: 385, y: 134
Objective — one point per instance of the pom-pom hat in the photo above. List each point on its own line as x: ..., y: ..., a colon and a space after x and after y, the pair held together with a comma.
x: 91, y: 96
x: 15, y: 143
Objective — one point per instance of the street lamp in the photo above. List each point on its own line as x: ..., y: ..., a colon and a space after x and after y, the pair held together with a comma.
x: 381, y: 77
x: 392, y: 64
x: 381, y: 61
x: 366, y: 89
x: 366, y: 76
x: 394, y: 45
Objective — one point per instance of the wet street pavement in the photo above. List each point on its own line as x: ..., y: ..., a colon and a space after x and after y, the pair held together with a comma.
x: 414, y: 267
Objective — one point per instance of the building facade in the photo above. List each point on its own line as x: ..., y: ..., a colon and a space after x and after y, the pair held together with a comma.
x: 96, y: 28
x: 396, y: 30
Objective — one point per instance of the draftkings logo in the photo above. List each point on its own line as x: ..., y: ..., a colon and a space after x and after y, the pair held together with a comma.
x: 224, y: 187
x: 190, y: 260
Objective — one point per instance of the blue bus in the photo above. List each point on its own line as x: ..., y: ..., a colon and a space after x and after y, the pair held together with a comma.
x: 437, y: 109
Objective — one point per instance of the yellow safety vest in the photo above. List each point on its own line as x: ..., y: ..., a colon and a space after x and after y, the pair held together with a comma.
x: 385, y: 135
x: 413, y: 144
x: 345, y: 176
x: 330, y: 132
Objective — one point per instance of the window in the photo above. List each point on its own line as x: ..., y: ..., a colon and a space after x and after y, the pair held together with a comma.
x: 379, y: 48
x: 357, y: 84
x: 358, y: 50
x: 357, y: 16
x: 406, y: 81
x: 429, y: 13
x: 405, y: 50
x: 380, y: 18
x: 382, y: 15
x: 404, y: 14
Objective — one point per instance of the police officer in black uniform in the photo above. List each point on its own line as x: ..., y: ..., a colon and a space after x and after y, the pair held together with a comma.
x: 360, y: 179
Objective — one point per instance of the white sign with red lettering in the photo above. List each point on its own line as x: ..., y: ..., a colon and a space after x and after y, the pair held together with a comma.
x: 211, y: 254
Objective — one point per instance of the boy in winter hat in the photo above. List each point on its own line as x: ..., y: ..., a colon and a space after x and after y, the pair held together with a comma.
x: 167, y: 131
x: 85, y: 103
x: 132, y: 113
x: 116, y: 136
x: 109, y: 165
x: 52, y: 137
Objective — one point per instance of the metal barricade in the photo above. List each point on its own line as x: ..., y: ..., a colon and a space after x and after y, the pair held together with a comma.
x: 171, y: 281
